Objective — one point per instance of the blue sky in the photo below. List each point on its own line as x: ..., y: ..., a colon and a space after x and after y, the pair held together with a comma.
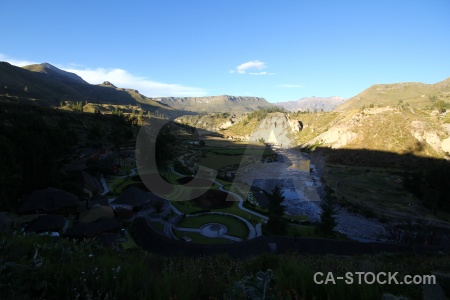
x: 280, y: 50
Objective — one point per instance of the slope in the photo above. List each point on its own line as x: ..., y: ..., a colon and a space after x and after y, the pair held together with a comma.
x: 48, y: 86
x: 419, y: 95
x: 52, y: 71
x: 401, y: 130
x: 312, y: 104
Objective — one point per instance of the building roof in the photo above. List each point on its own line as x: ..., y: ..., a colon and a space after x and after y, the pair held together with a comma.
x: 46, y: 223
x: 133, y: 196
x: 95, y: 213
x: 77, y: 165
x: 48, y: 200
x: 87, y: 181
x: 91, y: 230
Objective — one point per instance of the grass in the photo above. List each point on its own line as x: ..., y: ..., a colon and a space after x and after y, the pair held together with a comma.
x: 184, y: 207
x: 243, y: 128
x: 61, y: 269
x: 200, y: 239
x: 374, y: 190
x: 118, y: 185
x: 158, y: 226
x: 296, y: 218
x: 216, y: 162
x: 412, y: 93
x: 235, y: 226
x: 129, y: 243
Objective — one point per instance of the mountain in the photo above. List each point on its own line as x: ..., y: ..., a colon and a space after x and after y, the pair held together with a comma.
x: 48, y: 86
x: 312, y: 104
x: 54, y: 72
x: 416, y: 94
x: 224, y: 103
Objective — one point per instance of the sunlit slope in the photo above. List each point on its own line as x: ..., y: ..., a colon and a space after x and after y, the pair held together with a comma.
x: 418, y: 95
x: 400, y: 129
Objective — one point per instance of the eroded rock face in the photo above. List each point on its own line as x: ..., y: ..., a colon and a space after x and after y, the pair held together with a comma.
x: 277, y: 129
x: 426, y: 134
x: 296, y: 125
x: 445, y: 145
x: 335, y: 137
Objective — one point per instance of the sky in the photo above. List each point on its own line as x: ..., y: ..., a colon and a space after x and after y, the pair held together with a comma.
x: 280, y: 50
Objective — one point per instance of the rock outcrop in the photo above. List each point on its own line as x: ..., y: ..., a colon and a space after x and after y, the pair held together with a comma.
x: 277, y: 129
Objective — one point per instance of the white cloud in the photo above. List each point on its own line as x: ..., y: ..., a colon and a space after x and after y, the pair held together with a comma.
x: 260, y: 73
x: 123, y: 79
x: 254, y: 65
x: 16, y: 62
x: 290, y: 86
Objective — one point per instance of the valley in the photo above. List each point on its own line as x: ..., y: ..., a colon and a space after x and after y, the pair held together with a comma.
x: 220, y: 175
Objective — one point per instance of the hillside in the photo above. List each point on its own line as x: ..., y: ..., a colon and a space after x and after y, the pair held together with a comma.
x: 312, y: 104
x: 223, y: 103
x: 418, y: 95
x: 52, y: 71
x: 401, y: 130
x: 49, y: 86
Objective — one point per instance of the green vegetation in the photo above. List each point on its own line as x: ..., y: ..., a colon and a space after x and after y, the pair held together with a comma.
x: 235, y: 226
x: 117, y: 185
x: 431, y: 186
x: 43, y: 267
x: 218, y: 155
x: 200, y: 239
x: 391, y: 192
x: 32, y: 152
x: 327, y: 219
x: 261, y: 114
x: 51, y: 90
x: 276, y: 224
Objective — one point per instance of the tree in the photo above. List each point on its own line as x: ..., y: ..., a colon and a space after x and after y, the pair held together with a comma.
x: 275, y: 199
x: 276, y: 224
x: 440, y: 106
x: 327, y: 219
x: 95, y: 134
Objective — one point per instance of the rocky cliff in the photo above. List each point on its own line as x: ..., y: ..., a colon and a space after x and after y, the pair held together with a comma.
x: 224, y: 103
x: 276, y: 128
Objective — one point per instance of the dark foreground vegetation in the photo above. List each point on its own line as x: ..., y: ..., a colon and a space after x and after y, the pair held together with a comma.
x: 41, y: 267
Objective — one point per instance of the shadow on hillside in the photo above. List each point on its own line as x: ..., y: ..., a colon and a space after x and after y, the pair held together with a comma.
x: 382, y: 159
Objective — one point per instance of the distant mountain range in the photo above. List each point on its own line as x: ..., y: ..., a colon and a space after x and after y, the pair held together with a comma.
x: 312, y: 104
x: 223, y: 103
x: 47, y: 85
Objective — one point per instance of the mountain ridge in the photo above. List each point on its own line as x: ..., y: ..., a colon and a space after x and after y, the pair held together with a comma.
x: 47, y: 85
x: 221, y: 103
x: 53, y: 71
x: 417, y: 94
x: 312, y: 103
